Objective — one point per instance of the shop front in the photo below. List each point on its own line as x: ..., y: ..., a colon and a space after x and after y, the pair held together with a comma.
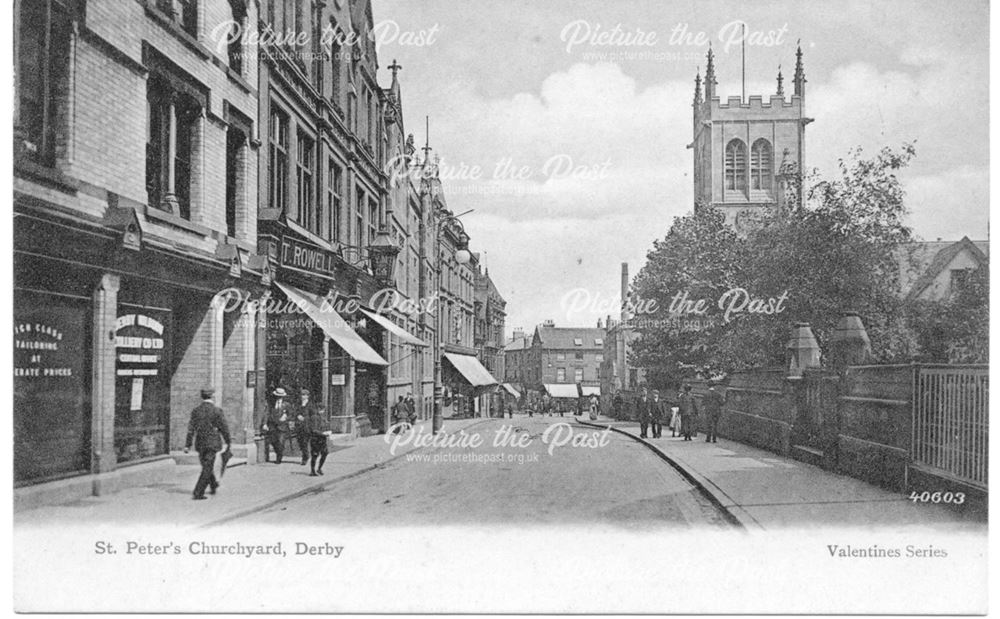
x: 465, y: 380
x: 114, y: 337
x: 312, y: 338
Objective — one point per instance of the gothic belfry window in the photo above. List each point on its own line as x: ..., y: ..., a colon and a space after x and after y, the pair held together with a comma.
x: 760, y: 165
x: 736, y: 166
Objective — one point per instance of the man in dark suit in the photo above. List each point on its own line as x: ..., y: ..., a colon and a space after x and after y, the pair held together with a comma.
x: 689, y: 412
x: 317, y: 427
x: 712, y: 403
x: 302, y: 412
x: 206, y: 425
x: 656, y: 414
x: 275, y: 426
x: 642, y: 410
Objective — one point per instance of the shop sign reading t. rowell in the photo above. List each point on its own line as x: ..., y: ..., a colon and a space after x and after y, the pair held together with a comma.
x: 311, y: 259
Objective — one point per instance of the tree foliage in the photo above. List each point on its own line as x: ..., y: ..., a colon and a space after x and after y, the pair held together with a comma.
x: 836, y: 251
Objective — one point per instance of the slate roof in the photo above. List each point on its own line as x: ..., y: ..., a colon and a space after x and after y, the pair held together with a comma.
x: 563, y: 338
x: 520, y: 343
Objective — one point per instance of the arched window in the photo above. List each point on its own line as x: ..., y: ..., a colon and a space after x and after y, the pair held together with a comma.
x: 760, y: 165
x: 736, y: 166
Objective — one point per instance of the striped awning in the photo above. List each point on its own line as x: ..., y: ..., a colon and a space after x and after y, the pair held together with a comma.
x: 562, y: 390
x: 393, y: 328
x: 470, y: 368
x: 333, y: 325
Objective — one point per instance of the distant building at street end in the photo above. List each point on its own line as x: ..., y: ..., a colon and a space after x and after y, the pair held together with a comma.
x: 934, y: 270
x: 747, y: 152
x: 565, y: 355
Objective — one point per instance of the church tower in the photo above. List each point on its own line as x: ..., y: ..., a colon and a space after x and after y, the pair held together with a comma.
x: 747, y: 153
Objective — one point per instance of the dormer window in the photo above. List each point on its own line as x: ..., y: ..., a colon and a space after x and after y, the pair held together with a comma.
x: 578, y: 341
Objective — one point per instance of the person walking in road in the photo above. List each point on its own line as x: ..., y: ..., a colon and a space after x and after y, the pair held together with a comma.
x: 713, y: 403
x: 689, y: 413
x: 642, y: 410
x: 595, y: 407
x: 276, y: 426
x: 305, y: 409
x: 656, y: 412
x: 318, y: 429
x: 205, y: 428
x: 617, y: 404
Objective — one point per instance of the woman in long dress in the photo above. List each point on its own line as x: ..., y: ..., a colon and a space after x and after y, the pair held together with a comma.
x: 594, y: 407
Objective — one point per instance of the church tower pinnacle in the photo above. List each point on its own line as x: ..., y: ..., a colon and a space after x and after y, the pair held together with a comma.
x: 800, y: 74
x: 710, y: 81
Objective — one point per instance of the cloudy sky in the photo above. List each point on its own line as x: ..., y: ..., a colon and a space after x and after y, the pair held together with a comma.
x: 572, y: 152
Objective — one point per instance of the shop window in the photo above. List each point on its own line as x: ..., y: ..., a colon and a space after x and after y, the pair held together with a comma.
x: 44, y: 35
x: 307, y: 214
x: 169, y: 186
x: 277, y: 160
x: 142, y: 382
x: 52, y: 422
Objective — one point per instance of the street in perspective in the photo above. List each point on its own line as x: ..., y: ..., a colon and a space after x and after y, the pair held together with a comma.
x: 702, y: 274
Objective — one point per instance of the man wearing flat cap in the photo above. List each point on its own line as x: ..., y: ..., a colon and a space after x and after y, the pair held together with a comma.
x: 207, y: 425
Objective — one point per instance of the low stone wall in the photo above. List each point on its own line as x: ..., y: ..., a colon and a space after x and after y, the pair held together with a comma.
x: 875, y: 416
x: 759, y: 410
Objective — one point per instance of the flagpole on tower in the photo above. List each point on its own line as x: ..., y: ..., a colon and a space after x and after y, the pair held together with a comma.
x: 743, y: 97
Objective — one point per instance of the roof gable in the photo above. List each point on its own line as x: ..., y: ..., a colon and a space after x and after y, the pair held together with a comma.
x: 940, y: 262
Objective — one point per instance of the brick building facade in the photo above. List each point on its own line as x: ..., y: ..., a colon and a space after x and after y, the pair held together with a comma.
x: 133, y: 210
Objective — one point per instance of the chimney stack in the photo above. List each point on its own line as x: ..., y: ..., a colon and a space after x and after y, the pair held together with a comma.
x: 624, y: 296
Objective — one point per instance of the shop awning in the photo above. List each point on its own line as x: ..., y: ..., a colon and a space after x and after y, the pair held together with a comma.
x: 510, y: 389
x: 395, y: 329
x: 589, y: 391
x: 561, y: 390
x: 333, y: 325
x: 473, y: 371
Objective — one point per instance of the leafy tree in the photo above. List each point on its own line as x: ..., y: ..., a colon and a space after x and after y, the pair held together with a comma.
x: 835, y: 252
x: 955, y: 329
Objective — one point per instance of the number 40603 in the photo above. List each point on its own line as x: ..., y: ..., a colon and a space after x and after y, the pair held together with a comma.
x: 938, y: 497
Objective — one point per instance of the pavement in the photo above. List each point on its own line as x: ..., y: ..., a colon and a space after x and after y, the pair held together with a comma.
x: 244, y: 489
x: 763, y: 490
